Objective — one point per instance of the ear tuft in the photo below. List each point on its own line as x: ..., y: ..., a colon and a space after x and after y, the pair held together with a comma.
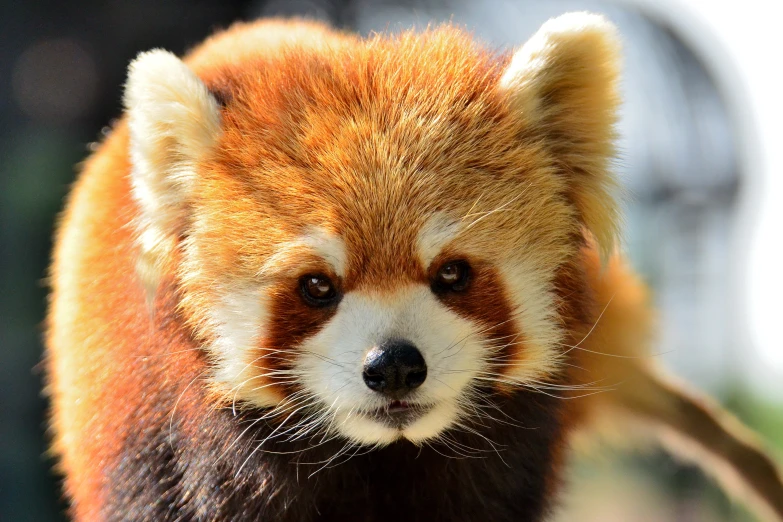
x: 563, y: 84
x: 173, y: 120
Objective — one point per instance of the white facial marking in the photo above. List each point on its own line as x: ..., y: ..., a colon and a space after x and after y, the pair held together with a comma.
x: 316, y: 240
x: 331, y: 361
x: 329, y: 246
x: 329, y: 364
x: 240, y: 316
x: 535, y: 315
x: 237, y: 322
x: 436, y: 233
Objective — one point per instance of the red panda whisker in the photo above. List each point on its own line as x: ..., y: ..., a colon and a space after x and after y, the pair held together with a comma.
x: 327, y: 428
x: 330, y: 433
x: 236, y: 388
x: 577, y: 345
x: 481, y: 408
x: 274, y: 452
x: 513, y: 336
x: 236, y: 392
x: 277, y: 372
x: 479, y: 332
x: 445, y: 384
x: 306, y: 428
x: 501, y: 208
x: 499, y: 380
x: 236, y: 440
x: 276, y: 383
x: 300, y: 430
x: 504, y: 359
x: 449, y: 444
x: 475, y: 416
x: 348, y: 415
x: 360, y: 450
x: 335, y: 461
x: 318, y: 412
x: 289, y: 403
x: 587, y: 385
x: 323, y: 358
x: 483, y: 401
x: 457, y: 453
x: 174, y: 408
x: 326, y: 462
x: 357, y: 449
x: 433, y: 448
x: 271, y: 435
x: 470, y: 211
x: 295, y: 399
x: 566, y: 398
x: 297, y: 426
x: 618, y: 356
x: 486, y: 376
x: 571, y: 365
x: 478, y: 414
x: 580, y: 386
x: 463, y: 450
x: 461, y: 341
x: 348, y: 445
x: 306, y: 448
x: 497, y: 448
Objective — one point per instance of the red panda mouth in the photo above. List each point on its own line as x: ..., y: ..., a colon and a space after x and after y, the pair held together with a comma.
x: 398, y: 413
x: 397, y: 407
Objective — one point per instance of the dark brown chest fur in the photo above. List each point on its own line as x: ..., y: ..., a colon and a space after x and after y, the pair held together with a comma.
x: 172, y: 472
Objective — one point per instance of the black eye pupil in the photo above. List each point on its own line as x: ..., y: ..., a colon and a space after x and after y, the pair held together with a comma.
x: 453, y: 276
x: 317, y: 290
x: 450, y: 273
x: 318, y: 287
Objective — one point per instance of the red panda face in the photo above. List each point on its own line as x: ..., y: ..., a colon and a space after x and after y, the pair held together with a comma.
x: 368, y: 239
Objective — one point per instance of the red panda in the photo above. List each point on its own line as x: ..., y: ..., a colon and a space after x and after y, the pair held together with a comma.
x: 311, y: 276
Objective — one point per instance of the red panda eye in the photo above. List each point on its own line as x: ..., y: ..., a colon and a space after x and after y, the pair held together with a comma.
x: 452, y: 276
x: 317, y: 290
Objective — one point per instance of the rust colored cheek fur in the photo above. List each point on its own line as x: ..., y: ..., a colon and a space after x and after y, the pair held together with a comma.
x: 291, y: 322
x: 484, y: 302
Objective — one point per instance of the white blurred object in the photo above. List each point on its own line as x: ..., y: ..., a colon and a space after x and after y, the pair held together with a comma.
x: 742, y: 46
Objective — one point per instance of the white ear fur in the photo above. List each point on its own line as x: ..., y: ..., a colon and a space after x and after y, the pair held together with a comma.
x: 173, y: 120
x: 564, y: 85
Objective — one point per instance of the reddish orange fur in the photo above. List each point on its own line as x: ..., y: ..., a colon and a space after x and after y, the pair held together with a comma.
x: 455, y: 144
x: 442, y: 80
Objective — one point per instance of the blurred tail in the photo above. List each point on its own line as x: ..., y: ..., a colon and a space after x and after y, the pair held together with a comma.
x: 700, y: 431
x: 690, y: 425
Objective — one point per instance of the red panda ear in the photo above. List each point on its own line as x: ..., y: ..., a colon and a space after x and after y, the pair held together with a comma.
x: 563, y: 84
x: 173, y: 120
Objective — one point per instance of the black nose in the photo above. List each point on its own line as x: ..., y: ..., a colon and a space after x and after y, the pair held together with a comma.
x: 394, y: 367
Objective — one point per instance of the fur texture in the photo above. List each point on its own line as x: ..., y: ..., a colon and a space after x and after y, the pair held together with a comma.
x: 191, y: 377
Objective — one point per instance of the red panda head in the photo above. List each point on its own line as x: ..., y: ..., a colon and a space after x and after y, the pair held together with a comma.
x: 367, y: 234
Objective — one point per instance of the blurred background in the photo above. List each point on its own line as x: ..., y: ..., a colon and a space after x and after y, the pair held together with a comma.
x: 700, y: 130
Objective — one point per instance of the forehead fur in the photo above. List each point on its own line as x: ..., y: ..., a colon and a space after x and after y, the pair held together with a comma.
x: 369, y: 140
